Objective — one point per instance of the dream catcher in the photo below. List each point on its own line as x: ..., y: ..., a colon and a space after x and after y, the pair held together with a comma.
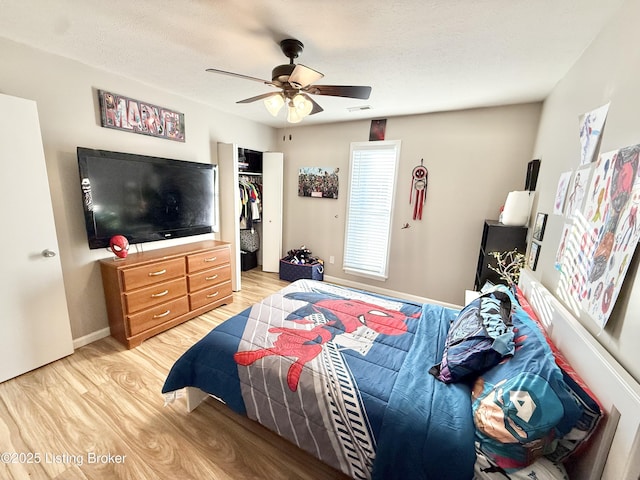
x: 418, y: 197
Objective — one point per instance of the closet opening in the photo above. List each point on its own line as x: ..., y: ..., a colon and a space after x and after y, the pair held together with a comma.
x: 251, y: 202
x: 251, y: 175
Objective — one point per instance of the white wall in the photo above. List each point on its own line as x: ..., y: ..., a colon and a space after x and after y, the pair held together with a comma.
x: 65, y: 92
x: 609, y: 70
x: 474, y: 157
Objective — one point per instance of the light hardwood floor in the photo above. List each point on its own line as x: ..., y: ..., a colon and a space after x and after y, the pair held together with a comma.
x: 99, y: 414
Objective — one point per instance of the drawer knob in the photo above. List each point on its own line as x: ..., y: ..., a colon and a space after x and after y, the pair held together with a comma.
x: 212, y: 277
x: 211, y: 295
x: 159, y: 272
x: 161, y: 294
x: 212, y: 259
x: 160, y: 315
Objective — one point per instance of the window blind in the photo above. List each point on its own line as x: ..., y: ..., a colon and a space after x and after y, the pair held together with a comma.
x: 370, y: 206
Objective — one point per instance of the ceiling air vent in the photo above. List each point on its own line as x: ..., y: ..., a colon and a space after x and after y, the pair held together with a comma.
x: 361, y: 107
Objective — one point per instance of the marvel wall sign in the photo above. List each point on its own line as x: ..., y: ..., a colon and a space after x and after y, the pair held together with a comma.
x: 124, y: 113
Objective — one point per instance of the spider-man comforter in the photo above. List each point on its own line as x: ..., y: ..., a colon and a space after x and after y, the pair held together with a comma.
x: 344, y: 375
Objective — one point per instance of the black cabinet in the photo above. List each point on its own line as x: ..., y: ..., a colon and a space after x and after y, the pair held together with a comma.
x: 497, y: 237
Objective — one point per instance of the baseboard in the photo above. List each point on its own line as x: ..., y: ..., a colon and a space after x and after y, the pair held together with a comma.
x: 387, y: 292
x: 92, y: 337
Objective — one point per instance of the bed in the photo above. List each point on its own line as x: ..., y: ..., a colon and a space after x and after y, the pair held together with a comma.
x: 384, y: 388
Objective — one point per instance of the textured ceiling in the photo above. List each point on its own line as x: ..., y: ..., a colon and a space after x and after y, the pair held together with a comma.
x: 418, y: 55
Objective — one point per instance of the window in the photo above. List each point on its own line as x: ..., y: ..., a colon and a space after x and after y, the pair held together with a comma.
x: 370, y: 205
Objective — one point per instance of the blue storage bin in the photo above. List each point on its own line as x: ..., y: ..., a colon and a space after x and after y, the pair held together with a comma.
x: 293, y: 271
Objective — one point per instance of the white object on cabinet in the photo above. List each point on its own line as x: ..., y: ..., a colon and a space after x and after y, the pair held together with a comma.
x: 34, y: 326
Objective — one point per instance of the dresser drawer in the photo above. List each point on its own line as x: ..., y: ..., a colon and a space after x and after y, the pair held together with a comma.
x: 209, y: 295
x: 156, y: 315
x: 206, y: 260
x: 155, y: 294
x: 149, y: 274
x: 149, y: 292
x: 209, y: 278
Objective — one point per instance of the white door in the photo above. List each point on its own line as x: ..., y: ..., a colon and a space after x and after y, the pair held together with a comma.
x: 272, y: 173
x: 230, y: 207
x: 34, y: 324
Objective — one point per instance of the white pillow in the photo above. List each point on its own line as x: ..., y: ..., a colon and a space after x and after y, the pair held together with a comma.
x: 541, y: 469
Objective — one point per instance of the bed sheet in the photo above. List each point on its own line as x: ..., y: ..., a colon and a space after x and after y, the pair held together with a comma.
x: 344, y: 375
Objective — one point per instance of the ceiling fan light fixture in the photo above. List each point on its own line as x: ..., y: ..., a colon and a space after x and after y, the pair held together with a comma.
x: 293, y: 115
x: 274, y: 104
x: 296, y: 82
x: 302, y: 104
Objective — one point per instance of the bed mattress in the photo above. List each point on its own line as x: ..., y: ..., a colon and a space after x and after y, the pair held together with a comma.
x: 343, y: 374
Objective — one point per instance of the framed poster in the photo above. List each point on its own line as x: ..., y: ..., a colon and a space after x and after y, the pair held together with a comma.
x: 318, y: 182
x: 538, y: 227
x: 377, y: 129
x: 124, y: 113
x: 534, y: 253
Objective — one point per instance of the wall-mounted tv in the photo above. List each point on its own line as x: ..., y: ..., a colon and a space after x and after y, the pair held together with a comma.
x: 145, y: 198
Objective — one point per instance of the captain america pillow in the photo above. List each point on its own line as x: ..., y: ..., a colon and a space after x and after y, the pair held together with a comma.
x: 522, y: 406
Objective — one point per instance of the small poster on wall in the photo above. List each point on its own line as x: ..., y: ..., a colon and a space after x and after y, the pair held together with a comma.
x: 575, y: 193
x: 561, y: 193
x: 377, y: 130
x: 318, y: 182
x: 564, y: 240
x: 591, y: 125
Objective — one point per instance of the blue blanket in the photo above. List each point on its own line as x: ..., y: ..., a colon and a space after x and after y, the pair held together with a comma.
x: 428, y: 429
x: 344, y: 375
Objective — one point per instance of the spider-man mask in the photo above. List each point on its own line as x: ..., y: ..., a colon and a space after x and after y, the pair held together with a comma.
x: 119, y: 245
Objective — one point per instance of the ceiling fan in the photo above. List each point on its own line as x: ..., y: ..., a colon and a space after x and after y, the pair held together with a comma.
x: 296, y: 83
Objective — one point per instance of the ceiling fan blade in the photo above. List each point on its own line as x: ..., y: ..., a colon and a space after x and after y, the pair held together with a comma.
x: 304, y: 76
x: 349, y: 91
x: 258, y: 97
x: 239, y: 75
x: 316, y: 108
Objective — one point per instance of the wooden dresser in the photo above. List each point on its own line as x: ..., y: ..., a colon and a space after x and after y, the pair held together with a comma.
x: 150, y: 292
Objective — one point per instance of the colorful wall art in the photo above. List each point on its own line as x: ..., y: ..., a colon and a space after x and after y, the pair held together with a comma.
x: 561, y: 193
x: 607, y: 233
x: 575, y: 192
x: 591, y: 125
x: 124, y: 113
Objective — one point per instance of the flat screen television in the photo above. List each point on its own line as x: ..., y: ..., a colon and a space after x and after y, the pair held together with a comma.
x: 145, y: 198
